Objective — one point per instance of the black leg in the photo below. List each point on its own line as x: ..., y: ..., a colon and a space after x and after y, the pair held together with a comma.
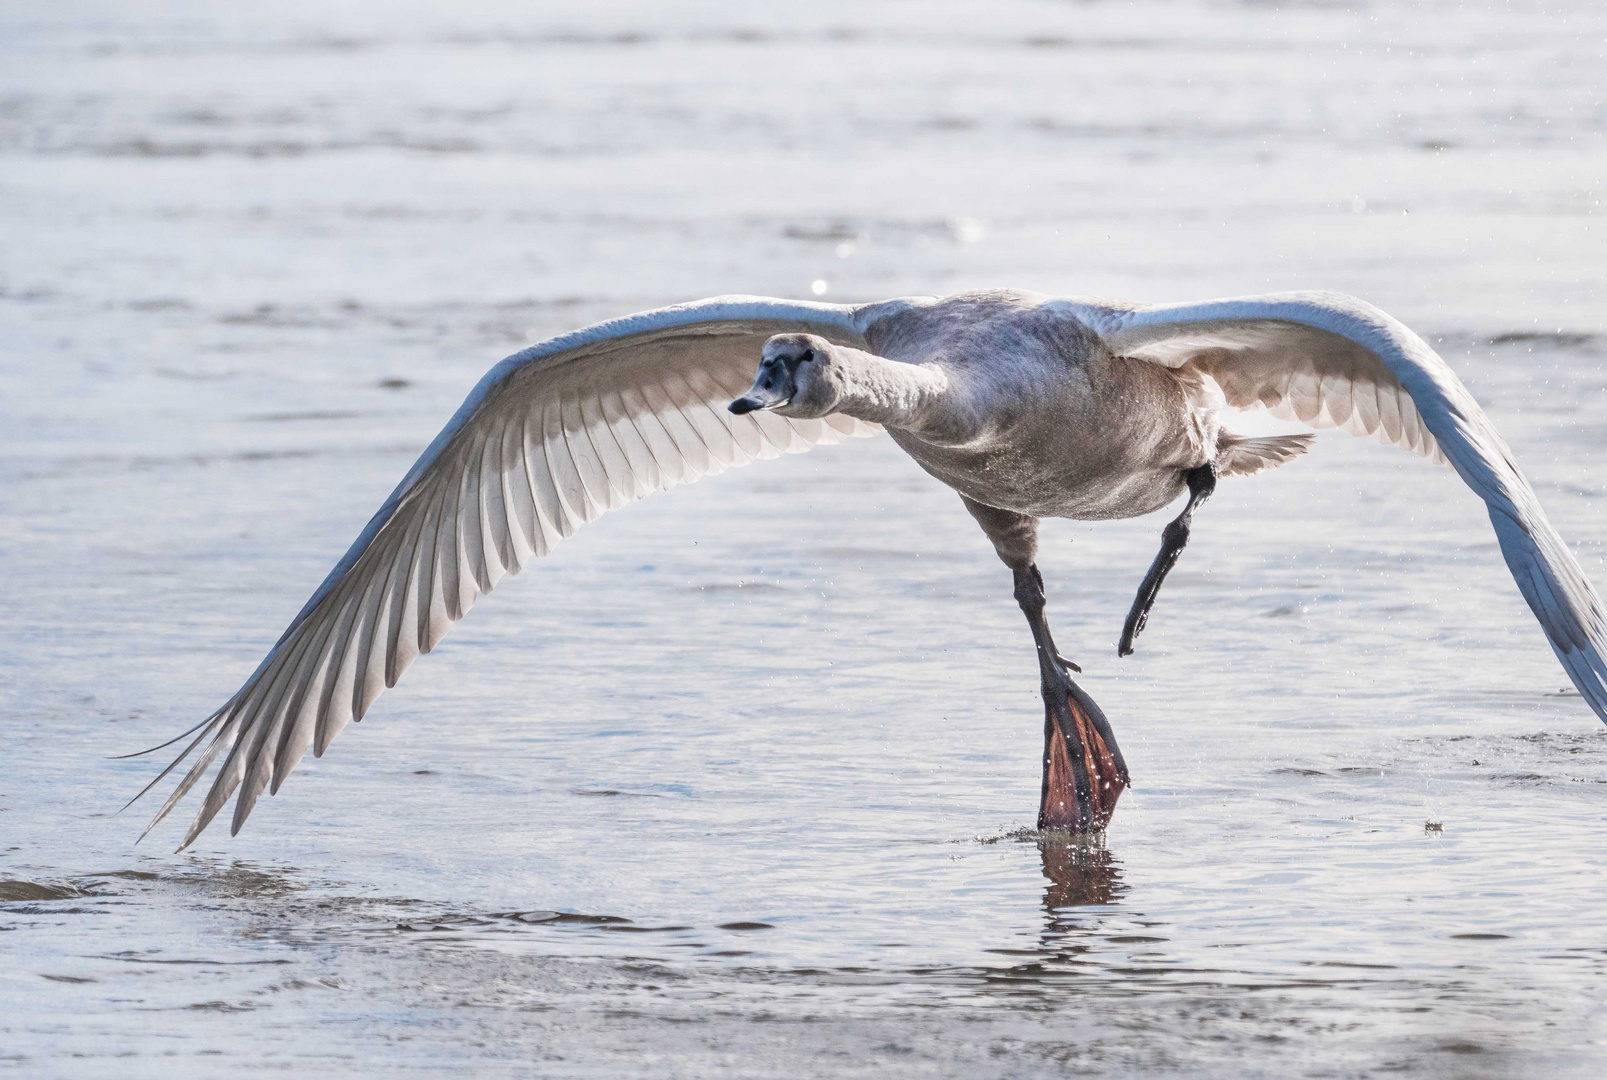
x: 1078, y: 739
x: 1030, y: 595
x: 1201, y: 482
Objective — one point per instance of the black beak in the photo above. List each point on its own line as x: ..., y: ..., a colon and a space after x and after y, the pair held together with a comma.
x: 752, y: 402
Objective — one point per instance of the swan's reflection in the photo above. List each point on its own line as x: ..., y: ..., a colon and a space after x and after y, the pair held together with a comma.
x: 1082, y: 875
x: 1081, y: 871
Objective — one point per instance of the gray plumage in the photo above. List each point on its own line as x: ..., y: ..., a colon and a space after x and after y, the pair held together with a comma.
x: 1026, y: 405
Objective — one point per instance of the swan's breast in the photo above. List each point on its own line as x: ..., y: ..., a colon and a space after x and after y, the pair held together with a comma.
x: 1098, y: 438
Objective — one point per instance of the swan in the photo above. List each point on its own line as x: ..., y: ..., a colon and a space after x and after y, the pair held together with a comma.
x: 1028, y: 406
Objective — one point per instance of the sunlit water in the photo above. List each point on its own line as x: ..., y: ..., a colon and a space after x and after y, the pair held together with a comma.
x: 739, y: 781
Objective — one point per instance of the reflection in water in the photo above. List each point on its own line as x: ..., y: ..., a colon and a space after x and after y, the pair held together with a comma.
x: 1080, y: 869
x: 1082, y: 874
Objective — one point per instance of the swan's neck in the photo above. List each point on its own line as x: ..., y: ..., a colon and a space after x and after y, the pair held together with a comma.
x: 887, y: 392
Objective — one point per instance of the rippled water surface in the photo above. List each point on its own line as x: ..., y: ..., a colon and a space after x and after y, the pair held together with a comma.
x: 739, y: 782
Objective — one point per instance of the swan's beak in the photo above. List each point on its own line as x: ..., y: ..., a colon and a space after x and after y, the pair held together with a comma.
x: 774, y: 385
x: 757, y: 399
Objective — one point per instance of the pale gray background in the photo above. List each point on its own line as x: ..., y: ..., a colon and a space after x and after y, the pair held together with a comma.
x: 250, y: 261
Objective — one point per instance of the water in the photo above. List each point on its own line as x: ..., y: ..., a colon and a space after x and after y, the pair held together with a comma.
x: 738, y: 781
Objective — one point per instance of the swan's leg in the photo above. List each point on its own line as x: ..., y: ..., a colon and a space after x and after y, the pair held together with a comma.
x: 1201, y: 482
x: 1083, y: 770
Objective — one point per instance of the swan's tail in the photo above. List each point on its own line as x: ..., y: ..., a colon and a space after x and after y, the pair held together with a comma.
x: 1239, y: 456
x: 1083, y: 770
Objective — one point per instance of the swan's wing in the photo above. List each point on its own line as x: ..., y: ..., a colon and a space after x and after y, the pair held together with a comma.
x: 550, y: 439
x: 1332, y: 360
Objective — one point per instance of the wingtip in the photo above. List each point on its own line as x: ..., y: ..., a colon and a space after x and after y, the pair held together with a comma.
x: 162, y: 746
x: 189, y: 838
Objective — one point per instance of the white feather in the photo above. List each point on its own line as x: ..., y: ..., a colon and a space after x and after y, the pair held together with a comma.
x: 549, y: 440
x: 1275, y: 348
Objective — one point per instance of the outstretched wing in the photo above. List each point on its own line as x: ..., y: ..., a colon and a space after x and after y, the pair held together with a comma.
x: 1332, y: 360
x: 550, y: 439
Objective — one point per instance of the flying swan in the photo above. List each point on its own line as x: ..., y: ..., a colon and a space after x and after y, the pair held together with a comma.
x: 1027, y: 406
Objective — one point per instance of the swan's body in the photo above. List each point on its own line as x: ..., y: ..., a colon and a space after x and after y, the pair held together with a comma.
x: 1038, y: 416
x: 1028, y: 406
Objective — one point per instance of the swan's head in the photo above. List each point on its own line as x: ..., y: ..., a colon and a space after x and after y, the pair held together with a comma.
x: 797, y: 377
